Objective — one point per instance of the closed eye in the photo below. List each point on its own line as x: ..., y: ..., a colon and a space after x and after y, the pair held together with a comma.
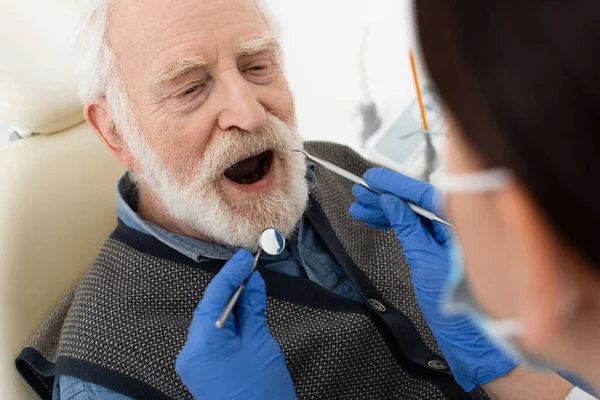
x: 189, y: 90
x: 261, y: 71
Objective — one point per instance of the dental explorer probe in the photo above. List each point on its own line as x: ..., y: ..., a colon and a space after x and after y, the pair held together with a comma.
x: 234, y: 299
x: 358, y: 180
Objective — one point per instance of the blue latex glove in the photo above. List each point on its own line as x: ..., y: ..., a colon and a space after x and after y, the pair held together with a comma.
x: 473, y: 359
x: 240, y: 360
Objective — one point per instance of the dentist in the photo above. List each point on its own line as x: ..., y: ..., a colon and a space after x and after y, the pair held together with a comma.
x: 521, y: 89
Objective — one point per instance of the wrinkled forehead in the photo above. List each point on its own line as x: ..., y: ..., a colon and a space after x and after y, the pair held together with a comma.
x: 146, y: 35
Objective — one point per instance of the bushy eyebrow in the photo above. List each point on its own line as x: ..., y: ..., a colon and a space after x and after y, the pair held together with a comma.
x: 178, y: 68
x: 256, y: 46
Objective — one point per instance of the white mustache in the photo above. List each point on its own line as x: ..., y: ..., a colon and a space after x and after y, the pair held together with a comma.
x: 229, y: 148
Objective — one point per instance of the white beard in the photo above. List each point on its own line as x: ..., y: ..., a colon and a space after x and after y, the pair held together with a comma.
x: 192, y: 194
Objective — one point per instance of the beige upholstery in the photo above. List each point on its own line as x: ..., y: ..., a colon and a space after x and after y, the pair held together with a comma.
x: 57, y: 191
x: 56, y: 207
x: 37, y: 86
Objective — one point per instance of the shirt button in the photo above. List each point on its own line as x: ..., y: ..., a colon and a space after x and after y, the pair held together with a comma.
x: 377, y: 305
x: 439, y: 365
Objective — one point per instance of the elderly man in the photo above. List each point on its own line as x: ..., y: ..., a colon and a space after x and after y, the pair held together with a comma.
x: 191, y: 97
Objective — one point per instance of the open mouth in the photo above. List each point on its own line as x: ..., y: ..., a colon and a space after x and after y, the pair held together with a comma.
x: 251, y: 170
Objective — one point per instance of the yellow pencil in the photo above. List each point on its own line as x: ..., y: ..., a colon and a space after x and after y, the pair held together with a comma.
x: 418, y: 87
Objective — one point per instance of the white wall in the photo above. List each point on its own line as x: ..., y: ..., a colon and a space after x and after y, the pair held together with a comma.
x: 321, y: 39
x: 5, y: 131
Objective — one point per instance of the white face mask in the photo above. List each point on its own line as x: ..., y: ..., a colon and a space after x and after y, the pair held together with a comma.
x: 459, y: 298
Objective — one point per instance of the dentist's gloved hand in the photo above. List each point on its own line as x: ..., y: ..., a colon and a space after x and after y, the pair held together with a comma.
x: 473, y: 359
x: 240, y: 360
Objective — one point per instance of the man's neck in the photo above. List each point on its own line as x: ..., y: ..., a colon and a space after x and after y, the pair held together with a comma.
x: 151, y: 209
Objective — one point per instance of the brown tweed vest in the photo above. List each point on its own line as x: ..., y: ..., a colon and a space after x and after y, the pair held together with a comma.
x: 124, y: 324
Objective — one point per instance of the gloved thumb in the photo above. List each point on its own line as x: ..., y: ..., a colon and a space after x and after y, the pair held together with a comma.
x: 404, y: 221
x: 250, y: 310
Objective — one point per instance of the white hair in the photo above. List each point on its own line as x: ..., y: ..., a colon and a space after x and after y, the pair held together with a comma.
x: 97, y: 67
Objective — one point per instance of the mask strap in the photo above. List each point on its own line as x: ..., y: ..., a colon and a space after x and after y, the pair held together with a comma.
x: 475, y: 182
x: 507, y: 328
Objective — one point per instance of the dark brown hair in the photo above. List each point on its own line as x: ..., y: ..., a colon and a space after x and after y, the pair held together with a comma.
x: 522, y: 78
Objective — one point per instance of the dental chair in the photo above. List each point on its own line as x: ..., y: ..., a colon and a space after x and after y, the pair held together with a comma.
x: 57, y: 185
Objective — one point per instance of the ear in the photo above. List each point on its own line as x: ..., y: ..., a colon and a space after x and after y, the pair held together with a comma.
x: 541, y: 278
x: 99, y: 119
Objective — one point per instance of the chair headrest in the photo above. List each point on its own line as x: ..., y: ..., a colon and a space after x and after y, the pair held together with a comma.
x: 38, y: 87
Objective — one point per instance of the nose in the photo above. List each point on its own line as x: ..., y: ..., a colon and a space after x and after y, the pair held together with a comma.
x: 241, y: 107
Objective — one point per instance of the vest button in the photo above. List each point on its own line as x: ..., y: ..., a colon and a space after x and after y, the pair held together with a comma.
x: 377, y: 305
x: 439, y: 365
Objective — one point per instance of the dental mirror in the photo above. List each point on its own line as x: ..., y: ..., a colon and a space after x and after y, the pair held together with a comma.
x: 272, y: 242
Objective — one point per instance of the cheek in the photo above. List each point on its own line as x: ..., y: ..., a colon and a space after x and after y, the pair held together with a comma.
x: 490, y: 264
x: 171, y: 126
x: 180, y: 142
x: 278, y: 100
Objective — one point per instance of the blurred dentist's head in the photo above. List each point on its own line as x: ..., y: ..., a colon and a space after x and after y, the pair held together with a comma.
x: 520, y: 84
x: 192, y: 99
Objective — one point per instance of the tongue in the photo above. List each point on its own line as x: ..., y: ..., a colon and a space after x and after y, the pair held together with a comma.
x: 244, y: 168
